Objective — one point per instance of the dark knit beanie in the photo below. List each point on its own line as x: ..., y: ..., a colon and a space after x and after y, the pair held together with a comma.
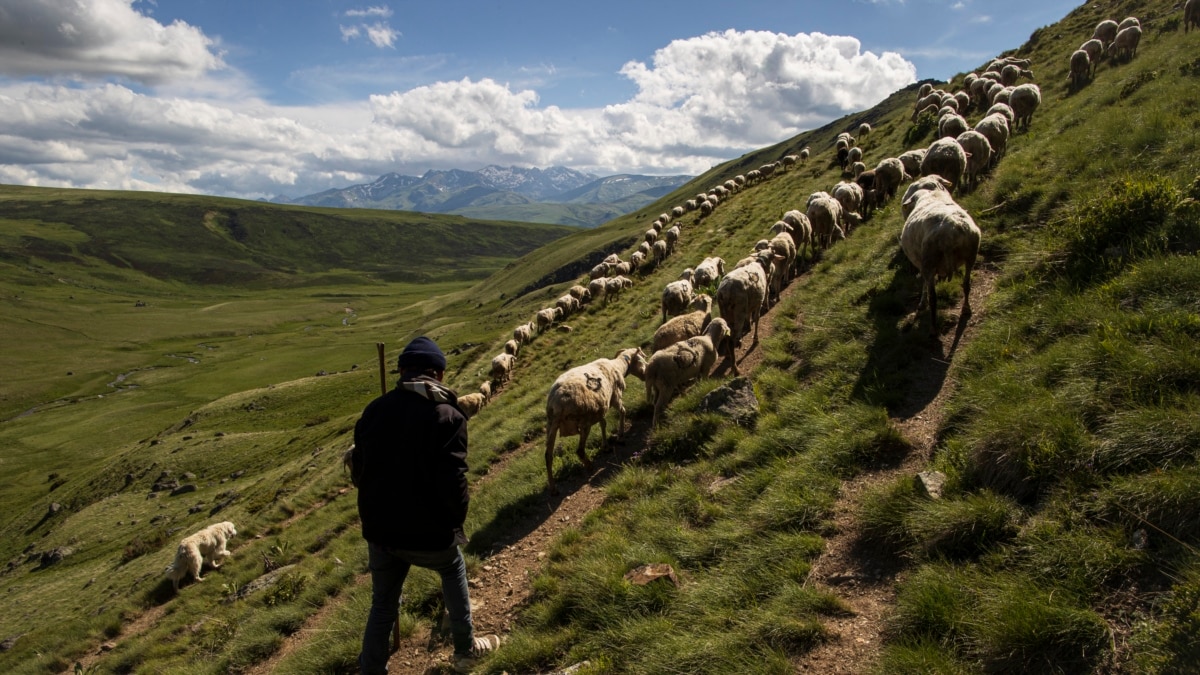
x: 422, y: 354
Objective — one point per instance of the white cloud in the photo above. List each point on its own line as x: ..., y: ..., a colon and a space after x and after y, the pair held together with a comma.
x: 381, y: 35
x: 100, y: 39
x: 698, y: 102
x: 382, y: 11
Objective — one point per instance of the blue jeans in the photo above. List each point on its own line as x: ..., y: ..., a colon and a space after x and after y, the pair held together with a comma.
x: 389, y: 567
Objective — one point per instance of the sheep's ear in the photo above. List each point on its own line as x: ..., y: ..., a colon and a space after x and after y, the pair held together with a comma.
x: 945, y: 183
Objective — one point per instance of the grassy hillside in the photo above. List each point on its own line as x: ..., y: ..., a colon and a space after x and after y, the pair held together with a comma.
x: 1065, y: 541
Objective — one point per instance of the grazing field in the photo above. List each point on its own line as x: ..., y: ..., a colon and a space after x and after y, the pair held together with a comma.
x: 1061, y: 413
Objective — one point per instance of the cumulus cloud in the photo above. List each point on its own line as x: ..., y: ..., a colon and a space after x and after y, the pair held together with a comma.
x: 697, y: 102
x: 100, y: 39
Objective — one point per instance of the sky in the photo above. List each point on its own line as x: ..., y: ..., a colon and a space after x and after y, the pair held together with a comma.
x: 266, y: 98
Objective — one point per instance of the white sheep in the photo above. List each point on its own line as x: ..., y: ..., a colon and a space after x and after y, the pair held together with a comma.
x: 740, y: 297
x: 672, y: 237
x: 1105, y: 32
x: 660, y: 250
x: 597, y: 287
x: 485, y: 388
x: 889, y: 173
x: 581, y: 397
x: 670, y: 369
x: 804, y: 155
x: 800, y: 227
x: 524, y: 333
x: 979, y: 155
x: 854, y: 155
x: 857, y: 168
x: 651, y: 236
x: 706, y: 207
x: 994, y: 128
x: 952, y: 125
x: 708, y: 272
x: 598, y: 271
x: 547, y: 317
x: 1024, y: 101
x: 1095, y: 51
x: 1081, y: 67
x: 636, y: 259
x: 614, y: 285
x: 964, y: 101
x: 580, y: 293
x: 1125, y: 45
x: 513, y: 347
x: 644, y: 248
x: 945, y: 158
x: 939, y: 236
x: 864, y: 129
x: 783, y: 245
x: 849, y: 195
x: 502, y: 365
x: 1127, y: 22
x: 471, y: 404
x: 684, y: 326
x: 1003, y: 109
x: 740, y: 180
x: 911, y: 161
x: 825, y: 214
x: 677, y: 294
x: 1011, y: 73
x: 678, y: 212
x: 1191, y: 14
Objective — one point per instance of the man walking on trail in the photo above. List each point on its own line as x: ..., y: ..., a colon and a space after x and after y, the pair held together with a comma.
x: 410, y: 465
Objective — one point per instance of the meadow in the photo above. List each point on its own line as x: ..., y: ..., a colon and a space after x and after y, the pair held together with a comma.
x: 1065, y: 540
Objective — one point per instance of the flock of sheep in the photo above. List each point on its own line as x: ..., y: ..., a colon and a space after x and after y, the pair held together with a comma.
x: 1118, y: 40
x: 938, y: 237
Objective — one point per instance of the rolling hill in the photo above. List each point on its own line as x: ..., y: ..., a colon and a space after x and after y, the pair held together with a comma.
x: 1061, y: 415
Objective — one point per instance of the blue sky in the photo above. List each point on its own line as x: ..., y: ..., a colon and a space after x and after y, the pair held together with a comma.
x: 265, y: 97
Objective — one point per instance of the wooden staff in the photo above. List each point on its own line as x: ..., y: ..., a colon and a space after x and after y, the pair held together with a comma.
x: 382, y: 369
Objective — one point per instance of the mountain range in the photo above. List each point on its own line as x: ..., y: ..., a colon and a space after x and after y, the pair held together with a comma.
x: 555, y: 195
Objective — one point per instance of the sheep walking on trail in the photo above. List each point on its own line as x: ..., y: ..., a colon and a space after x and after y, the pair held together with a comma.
x: 1024, y: 100
x: 708, y: 272
x: 939, y: 236
x: 1081, y: 68
x: 581, y: 397
x: 471, y: 404
x: 502, y: 365
x: 677, y: 294
x: 740, y: 297
x: 684, y: 326
x: 670, y: 369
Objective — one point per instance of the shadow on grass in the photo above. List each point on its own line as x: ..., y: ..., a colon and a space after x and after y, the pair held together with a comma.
x: 517, y: 520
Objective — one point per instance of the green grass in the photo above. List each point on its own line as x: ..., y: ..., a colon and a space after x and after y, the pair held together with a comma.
x: 1065, y: 541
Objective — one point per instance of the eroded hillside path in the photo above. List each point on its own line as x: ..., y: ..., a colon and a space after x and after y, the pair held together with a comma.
x: 863, y: 576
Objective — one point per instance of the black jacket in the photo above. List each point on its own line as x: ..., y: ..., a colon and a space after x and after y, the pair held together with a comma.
x: 411, y: 458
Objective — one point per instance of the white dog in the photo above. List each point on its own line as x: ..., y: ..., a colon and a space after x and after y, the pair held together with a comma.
x: 207, y: 545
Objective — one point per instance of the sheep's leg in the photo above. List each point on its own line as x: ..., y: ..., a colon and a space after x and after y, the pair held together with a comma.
x: 551, y: 436
x: 966, y: 306
x: 581, y: 451
x: 932, y: 293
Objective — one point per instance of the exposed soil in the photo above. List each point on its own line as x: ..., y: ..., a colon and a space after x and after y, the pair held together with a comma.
x: 863, y: 576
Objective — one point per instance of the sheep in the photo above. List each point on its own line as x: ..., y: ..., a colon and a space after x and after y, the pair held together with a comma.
x: 911, y: 161
x: 513, y: 346
x: 614, y: 285
x: 979, y: 89
x: 945, y: 158
x: 677, y: 294
x: 684, y: 326
x: 939, y: 236
x: 672, y: 236
x: 566, y: 304
x: 690, y: 205
x: 1081, y: 67
x: 599, y: 270
x: 1127, y: 22
x: 1003, y: 109
x: 471, y: 404
x: 636, y: 259
x: 708, y: 272
x: 1024, y: 101
x: 597, y: 287
x: 784, y: 246
x: 952, y: 126
x: 581, y: 397
x: 651, y: 236
x: 849, y: 195
x: 924, y: 90
x: 547, y: 317
x: 1011, y: 73
x: 1105, y: 32
x: 668, y: 370
x: 611, y: 259
x: 706, y: 208
x: 502, y: 365
x: 825, y: 214
x: 580, y: 293
x: 1191, y: 14
x: 857, y: 168
x: 730, y: 186
x: 623, y: 267
x: 801, y: 231
x: 843, y: 155
x: 889, y: 173
x: 864, y: 129
x: 644, y: 248
x: 994, y: 128
x: 677, y: 212
x: 1003, y: 96
x: 1124, y: 46
x: 1095, y: 51
x: 753, y: 176
x: 485, y: 388
x: 740, y: 297
x: 854, y: 155
x: 661, y: 250
x: 664, y: 218
x: 740, y: 180
x: 964, y: 101
x: 927, y: 110
x: 979, y: 155
x: 804, y: 153
x: 523, y: 333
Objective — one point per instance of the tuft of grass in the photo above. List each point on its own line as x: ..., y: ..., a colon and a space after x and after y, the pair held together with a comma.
x: 961, y: 528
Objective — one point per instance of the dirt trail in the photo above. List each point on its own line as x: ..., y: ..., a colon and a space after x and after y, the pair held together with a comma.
x: 862, y: 576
